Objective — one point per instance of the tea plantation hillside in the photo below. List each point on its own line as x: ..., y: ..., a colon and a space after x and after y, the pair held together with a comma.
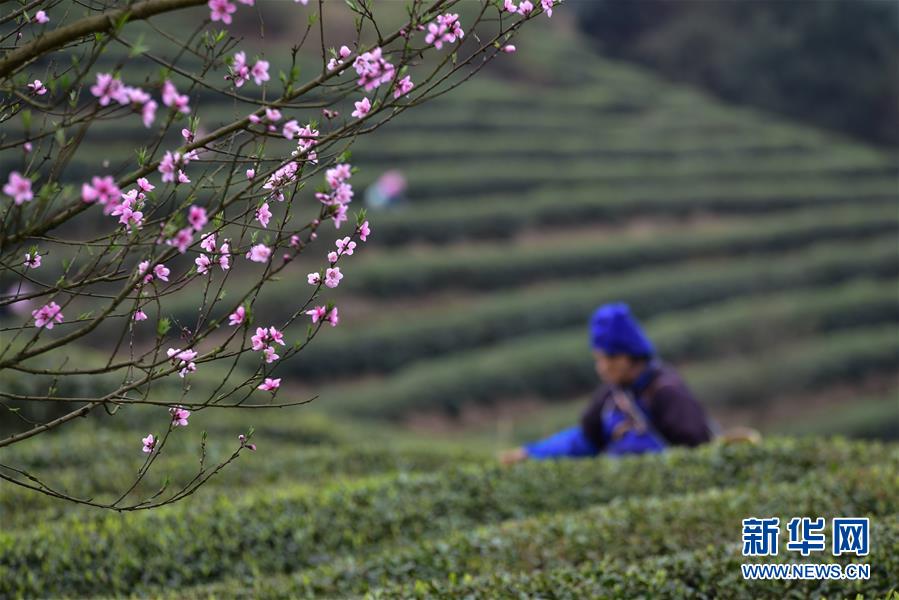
x: 339, y: 518
x: 760, y: 255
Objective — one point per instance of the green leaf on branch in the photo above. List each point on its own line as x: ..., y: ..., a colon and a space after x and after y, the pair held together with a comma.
x: 163, y: 326
x: 138, y: 47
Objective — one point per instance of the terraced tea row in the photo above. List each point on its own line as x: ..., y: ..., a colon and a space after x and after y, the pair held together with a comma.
x: 397, y: 341
x: 281, y: 531
x: 666, y: 525
x: 402, y: 274
x: 503, y: 215
x: 557, y: 366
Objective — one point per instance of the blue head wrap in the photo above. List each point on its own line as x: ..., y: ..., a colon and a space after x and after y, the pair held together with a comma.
x: 614, y: 330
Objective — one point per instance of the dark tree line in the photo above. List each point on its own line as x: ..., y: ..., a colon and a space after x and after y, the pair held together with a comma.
x: 832, y: 63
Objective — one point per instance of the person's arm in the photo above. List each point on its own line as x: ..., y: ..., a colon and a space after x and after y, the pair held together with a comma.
x: 585, y: 439
x: 568, y: 442
x: 679, y: 417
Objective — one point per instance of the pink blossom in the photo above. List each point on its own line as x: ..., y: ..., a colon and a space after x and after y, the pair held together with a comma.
x: 183, y: 359
x: 171, y: 98
x: 259, y: 253
x: 510, y: 6
x: 41, y: 17
x: 103, y: 190
x: 37, y: 87
x: 362, y: 108
x: 263, y: 214
x: 345, y: 246
x: 188, y: 368
x: 525, y: 8
x: 272, y: 115
x: 547, y: 7
x: 148, y: 112
x: 182, y: 177
x: 145, y: 185
x: 280, y: 178
x: 236, y: 318
x: 142, y: 100
x: 27, y: 146
x: 259, y: 340
x: 109, y: 88
x: 225, y: 256
x: 177, y: 354
x: 207, y: 242
x: 18, y: 188
x: 221, y: 10
x: 197, y: 217
x: 332, y: 257
x: 251, y: 173
x: 303, y: 2
x: 244, y: 444
x: 240, y: 72
x: 126, y: 212
x: 142, y: 271
x: 364, y: 231
x: 314, y: 278
x: 270, y: 355
x: 333, y: 277
x: 140, y: 315
x: 187, y: 134
x: 182, y: 239
x: 162, y: 272
x: 276, y: 335
x: 270, y: 385
x: 342, y: 191
x: 446, y: 29
x: 290, y: 129
x: 307, y: 140
x: 403, y: 87
x: 202, y: 263
x: 373, y: 70
x: 338, y: 174
x: 167, y: 165
x: 149, y: 443
x: 264, y: 340
x: 179, y: 416
x: 321, y: 313
x: 294, y: 241
x: 317, y: 313
x: 47, y: 315
x: 260, y: 72
x: 508, y: 48
x: 330, y: 114
x: 339, y: 216
x: 32, y: 261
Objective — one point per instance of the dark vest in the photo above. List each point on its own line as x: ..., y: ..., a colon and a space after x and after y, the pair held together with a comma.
x: 662, y: 398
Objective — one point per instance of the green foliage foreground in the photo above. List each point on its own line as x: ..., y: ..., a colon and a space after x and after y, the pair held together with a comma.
x: 663, y: 525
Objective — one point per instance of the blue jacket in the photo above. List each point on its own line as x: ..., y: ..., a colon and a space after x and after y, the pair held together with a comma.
x: 660, y: 398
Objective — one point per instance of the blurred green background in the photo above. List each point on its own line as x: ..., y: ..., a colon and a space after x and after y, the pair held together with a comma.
x: 760, y: 250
